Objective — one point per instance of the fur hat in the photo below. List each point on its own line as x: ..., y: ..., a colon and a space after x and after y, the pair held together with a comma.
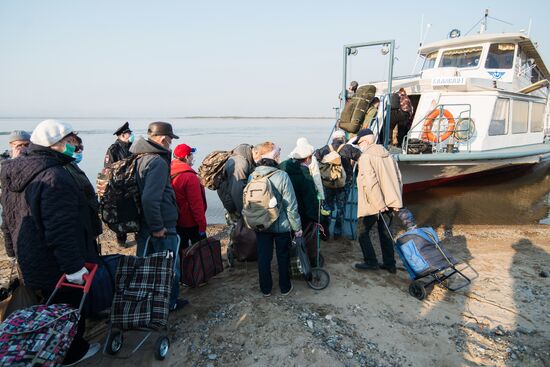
x: 49, y: 132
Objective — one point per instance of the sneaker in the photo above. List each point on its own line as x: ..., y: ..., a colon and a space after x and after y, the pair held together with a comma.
x: 180, y: 303
x: 92, y: 350
x: 389, y: 268
x: 289, y: 291
x: 266, y: 295
x: 366, y: 266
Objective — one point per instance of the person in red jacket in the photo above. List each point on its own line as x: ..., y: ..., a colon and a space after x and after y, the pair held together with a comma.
x: 190, y: 197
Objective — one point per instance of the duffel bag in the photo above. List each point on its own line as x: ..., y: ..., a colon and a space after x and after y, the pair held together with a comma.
x: 200, y: 262
x: 244, y: 242
x: 103, y: 287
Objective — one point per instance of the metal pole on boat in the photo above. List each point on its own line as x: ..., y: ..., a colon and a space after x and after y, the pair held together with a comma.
x: 344, y: 77
x: 388, y: 100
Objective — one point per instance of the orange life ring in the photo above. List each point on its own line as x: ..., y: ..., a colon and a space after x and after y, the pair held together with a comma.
x: 427, y: 133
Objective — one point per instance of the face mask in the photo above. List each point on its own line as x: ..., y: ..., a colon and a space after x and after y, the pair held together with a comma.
x: 132, y: 138
x: 77, y: 157
x: 69, y: 150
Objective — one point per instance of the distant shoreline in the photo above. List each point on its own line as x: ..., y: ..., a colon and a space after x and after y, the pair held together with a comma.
x: 178, y: 117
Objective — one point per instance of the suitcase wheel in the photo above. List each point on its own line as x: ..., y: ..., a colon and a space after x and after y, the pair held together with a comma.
x: 114, y: 343
x: 417, y: 290
x: 162, y: 345
x: 320, y: 279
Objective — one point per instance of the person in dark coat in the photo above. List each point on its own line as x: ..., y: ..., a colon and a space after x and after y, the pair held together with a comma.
x: 235, y: 176
x: 119, y: 150
x: 158, y: 200
x: 306, y: 194
x: 190, y: 197
x: 335, y: 199
x: 46, y: 221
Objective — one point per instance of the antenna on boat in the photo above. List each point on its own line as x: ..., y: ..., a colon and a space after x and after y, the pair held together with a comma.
x: 483, y: 22
x: 529, y: 28
x: 483, y: 27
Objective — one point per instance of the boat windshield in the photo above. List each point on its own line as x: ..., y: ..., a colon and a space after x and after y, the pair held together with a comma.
x: 461, y: 57
x: 500, y: 56
x: 429, y: 61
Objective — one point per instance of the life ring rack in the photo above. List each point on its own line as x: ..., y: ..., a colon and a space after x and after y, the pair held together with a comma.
x: 427, y: 132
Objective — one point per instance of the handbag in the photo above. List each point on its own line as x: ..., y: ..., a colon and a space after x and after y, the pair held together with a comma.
x: 17, y: 296
x: 244, y: 242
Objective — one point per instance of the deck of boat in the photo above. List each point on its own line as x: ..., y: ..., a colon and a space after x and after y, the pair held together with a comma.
x: 540, y: 152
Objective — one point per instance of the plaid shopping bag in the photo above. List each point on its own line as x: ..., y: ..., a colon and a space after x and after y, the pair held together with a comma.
x: 38, y: 336
x: 142, y: 291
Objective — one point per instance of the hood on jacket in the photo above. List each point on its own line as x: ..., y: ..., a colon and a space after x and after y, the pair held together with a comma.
x: 293, y: 167
x: 245, y: 151
x: 17, y: 173
x: 177, y: 167
x: 377, y: 150
x: 264, y: 170
x: 142, y: 145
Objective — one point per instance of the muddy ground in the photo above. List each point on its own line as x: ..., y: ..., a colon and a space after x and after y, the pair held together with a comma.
x: 367, y: 319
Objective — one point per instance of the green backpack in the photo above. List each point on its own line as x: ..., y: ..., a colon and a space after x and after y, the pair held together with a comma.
x: 333, y: 174
x: 260, y: 206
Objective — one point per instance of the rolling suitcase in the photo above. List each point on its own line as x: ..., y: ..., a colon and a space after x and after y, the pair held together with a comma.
x: 42, y: 334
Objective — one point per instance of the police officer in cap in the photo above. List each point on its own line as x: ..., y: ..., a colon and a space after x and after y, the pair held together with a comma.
x: 119, y: 150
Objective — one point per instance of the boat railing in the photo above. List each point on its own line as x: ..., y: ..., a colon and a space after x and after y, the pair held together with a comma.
x: 462, y: 132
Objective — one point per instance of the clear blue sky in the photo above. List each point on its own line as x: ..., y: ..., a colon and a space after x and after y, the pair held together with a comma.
x: 179, y: 58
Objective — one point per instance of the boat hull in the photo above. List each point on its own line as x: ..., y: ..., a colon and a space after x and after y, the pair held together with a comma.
x: 425, y: 170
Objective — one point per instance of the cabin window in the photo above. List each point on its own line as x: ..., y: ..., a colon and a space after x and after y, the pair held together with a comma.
x: 499, y: 122
x: 520, y: 117
x: 500, y: 56
x: 537, y: 117
x: 429, y: 61
x: 461, y: 58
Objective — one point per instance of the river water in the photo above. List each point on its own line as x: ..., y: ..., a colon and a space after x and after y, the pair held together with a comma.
x: 498, y: 199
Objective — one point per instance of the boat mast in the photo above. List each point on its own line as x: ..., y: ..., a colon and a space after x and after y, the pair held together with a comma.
x: 483, y: 28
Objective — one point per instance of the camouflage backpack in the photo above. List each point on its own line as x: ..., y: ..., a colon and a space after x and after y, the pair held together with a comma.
x: 119, y: 197
x: 211, y: 169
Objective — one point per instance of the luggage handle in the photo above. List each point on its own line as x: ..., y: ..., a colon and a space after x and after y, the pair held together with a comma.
x: 88, y: 279
x: 175, y: 253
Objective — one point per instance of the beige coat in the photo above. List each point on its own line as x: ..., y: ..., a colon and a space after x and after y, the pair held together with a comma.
x: 379, y: 182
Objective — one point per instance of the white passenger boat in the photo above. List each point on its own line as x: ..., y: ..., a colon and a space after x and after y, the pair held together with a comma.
x: 480, y: 104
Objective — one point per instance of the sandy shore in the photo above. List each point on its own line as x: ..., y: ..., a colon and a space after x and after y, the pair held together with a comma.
x: 368, y: 319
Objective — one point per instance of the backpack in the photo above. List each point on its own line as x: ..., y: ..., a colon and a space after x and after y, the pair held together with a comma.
x: 119, y: 196
x: 260, y: 206
x: 395, y: 101
x: 333, y: 174
x: 211, y: 169
x: 356, y: 107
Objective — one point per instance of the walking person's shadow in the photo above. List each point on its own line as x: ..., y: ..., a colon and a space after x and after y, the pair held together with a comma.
x: 529, y: 343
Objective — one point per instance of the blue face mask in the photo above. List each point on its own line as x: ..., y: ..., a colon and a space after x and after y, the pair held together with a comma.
x: 132, y: 138
x: 77, y: 157
x: 69, y: 150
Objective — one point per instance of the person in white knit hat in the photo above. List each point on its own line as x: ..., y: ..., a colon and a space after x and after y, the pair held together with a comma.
x: 46, y: 221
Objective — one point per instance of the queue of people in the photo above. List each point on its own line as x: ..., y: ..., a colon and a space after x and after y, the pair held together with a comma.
x: 50, y: 216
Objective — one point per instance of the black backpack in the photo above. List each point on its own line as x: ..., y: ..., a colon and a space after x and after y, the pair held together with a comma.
x: 395, y: 101
x: 119, y: 196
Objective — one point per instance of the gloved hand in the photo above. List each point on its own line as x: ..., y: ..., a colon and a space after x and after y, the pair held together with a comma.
x: 77, y: 278
x: 202, y: 235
